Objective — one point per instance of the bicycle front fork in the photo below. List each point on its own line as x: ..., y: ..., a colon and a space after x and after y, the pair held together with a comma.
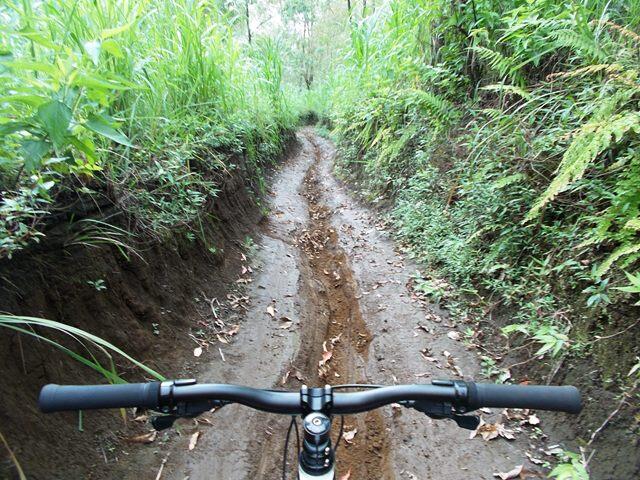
x: 317, y: 459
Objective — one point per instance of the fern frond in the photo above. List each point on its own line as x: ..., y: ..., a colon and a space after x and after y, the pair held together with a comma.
x: 578, y: 42
x: 437, y: 105
x: 509, y: 89
x: 608, y: 68
x: 593, y: 138
x: 621, y: 251
x: 505, y: 66
x: 633, y: 224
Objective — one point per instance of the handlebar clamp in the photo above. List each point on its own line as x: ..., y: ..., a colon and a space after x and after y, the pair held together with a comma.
x: 316, y: 399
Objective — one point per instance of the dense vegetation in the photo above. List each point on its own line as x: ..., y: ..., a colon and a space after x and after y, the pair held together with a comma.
x: 504, y: 136
x: 507, y: 136
x: 132, y: 105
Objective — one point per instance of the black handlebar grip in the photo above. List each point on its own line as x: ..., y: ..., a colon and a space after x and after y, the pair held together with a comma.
x: 60, y: 398
x: 541, y: 397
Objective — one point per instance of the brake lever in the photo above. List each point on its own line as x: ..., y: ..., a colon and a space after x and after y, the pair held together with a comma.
x: 162, y: 422
x: 468, y: 422
x: 185, y: 410
x: 443, y: 410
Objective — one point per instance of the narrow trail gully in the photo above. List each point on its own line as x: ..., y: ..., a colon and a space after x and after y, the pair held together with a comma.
x: 325, y: 277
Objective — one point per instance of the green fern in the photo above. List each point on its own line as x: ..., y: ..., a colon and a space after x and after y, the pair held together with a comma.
x: 633, y: 224
x: 618, y: 253
x: 580, y: 42
x: 441, y: 108
x: 506, y: 67
x: 593, y: 138
x: 508, y: 89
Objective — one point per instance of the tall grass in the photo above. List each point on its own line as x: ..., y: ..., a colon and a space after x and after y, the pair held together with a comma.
x: 121, y: 97
x: 92, y: 346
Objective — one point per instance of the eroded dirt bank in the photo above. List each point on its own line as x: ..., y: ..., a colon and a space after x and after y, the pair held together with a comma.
x: 147, y: 306
x: 327, y: 302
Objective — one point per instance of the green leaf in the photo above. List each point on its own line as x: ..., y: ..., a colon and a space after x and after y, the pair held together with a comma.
x: 31, y: 100
x: 112, y: 47
x: 101, y: 126
x: 93, y: 81
x: 12, y: 127
x: 47, y: 68
x: 84, y: 146
x: 33, y: 151
x: 635, y: 284
x: 112, y: 32
x: 55, y: 118
x: 37, y: 37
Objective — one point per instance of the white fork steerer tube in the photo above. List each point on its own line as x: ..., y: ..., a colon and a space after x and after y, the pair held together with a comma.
x: 330, y: 475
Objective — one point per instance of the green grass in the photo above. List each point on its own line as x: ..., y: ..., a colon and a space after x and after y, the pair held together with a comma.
x: 122, y: 99
x: 96, y: 353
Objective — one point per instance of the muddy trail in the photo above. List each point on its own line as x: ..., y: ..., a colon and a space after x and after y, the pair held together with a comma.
x: 326, y: 299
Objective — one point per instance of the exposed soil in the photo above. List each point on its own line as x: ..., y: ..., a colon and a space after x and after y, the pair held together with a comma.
x: 324, y: 276
x: 147, y: 307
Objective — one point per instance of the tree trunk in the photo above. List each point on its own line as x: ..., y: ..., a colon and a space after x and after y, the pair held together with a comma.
x: 246, y: 10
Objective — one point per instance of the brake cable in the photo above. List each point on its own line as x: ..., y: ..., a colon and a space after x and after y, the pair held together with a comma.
x: 339, y: 434
x: 293, y: 424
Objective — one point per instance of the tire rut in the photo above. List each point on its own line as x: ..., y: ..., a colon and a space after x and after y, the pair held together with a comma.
x: 335, y: 325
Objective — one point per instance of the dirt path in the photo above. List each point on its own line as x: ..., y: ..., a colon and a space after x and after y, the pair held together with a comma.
x: 336, y: 283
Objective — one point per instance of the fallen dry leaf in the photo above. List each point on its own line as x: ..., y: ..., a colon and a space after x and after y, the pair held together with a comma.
x: 533, y: 419
x: 193, y: 440
x: 286, y: 325
x: 197, y: 351
x: 235, y: 329
x: 349, y: 435
x: 453, y: 335
x: 144, y: 438
x: 511, y: 474
x: 534, y: 460
x: 271, y: 310
x: 489, y: 431
x: 326, y: 356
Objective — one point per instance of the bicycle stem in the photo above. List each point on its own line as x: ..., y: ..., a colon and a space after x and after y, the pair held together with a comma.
x: 317, y: 457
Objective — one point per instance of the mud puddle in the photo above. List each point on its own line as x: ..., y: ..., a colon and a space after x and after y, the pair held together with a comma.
x: 328, y: 303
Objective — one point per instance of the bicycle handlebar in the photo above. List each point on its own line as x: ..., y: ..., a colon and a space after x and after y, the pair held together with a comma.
x: 62, y: 398
x: 540, y: 397
x: 464, y: 396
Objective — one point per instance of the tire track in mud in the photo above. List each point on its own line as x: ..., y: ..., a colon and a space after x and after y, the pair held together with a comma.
x: 335, y: 324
